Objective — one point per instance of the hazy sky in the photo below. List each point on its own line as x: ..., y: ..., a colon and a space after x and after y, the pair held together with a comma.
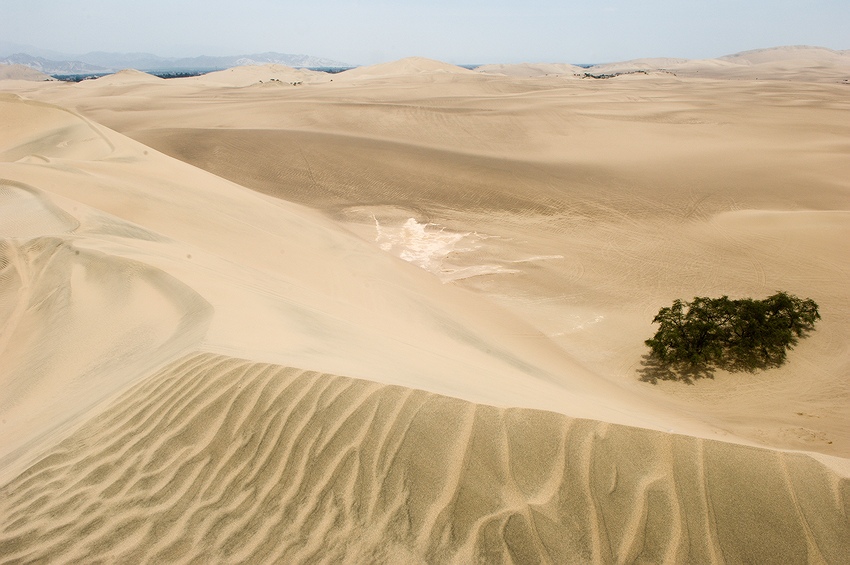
x: 456, y: 31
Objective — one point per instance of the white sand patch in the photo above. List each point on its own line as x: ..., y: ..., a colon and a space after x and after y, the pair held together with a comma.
x: 579, y: 323
x: 589, y: 322
x: 429, y: 245
x: 536, y: 258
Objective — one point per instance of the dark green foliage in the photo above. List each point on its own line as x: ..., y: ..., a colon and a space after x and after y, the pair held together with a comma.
x: 737, y: 335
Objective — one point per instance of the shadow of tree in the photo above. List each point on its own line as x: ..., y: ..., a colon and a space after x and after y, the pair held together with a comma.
x: 652, y: 371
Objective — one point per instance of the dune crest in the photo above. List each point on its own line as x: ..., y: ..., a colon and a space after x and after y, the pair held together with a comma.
x: 42, y: 131
x: 253, y: 74
x: 22, y: 72
x: 807, y: 53
x: 123, y: 77
x: 798, y: 63
x: 531, y: 69
x: 88, y: 237
x: 405, y: 67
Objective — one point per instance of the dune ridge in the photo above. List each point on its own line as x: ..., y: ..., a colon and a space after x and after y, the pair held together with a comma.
x: 231, y: 461
x: 122, y: 77
x: 531, y: 69
x: 797, y: 63
x: 103, y: 287
x: 409, y: 66
x: 22, y: 72
x: 647, y: 193
x: 295, y: 307
x: 253, y: 74
x: 808, y: 53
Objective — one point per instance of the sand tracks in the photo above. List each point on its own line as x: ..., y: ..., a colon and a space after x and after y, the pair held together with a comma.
x: 35, y: 128
x: 224, y: 460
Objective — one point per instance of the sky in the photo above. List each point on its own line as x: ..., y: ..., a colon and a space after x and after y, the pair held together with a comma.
x: 456, y: 31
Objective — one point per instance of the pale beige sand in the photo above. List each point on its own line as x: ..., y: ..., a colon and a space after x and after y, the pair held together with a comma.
x: 127, y: 76
x: 256, y: 74
x: 794, y: 63
x: 312, y: 295
x: 403, y: 67
x: 637, y: 64
x: 541, y: 222
x: 532, y: 69
x: 598, y: 201
x: 22, y: 72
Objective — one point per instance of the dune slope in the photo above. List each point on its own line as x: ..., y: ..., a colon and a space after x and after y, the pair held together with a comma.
x: 219, y: 459
x: 403, y: 67
x: 583, y: 206
x: 22, y: 72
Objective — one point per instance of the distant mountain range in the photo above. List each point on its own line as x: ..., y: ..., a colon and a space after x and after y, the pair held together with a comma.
x: 101, y: 62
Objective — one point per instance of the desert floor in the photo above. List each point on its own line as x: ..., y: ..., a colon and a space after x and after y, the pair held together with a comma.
x: 397, y: 314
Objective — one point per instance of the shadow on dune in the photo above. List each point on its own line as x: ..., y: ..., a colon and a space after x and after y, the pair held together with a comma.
x: 652, y: 371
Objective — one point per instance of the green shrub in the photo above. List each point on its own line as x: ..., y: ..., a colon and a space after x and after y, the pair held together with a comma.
x: 737, y: 335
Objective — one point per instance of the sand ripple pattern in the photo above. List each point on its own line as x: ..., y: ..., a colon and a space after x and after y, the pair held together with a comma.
x: 215, y: 459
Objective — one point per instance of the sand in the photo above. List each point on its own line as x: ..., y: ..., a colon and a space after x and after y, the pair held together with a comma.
x: 793, y: 63
x: 532, y: 69
x: 22, y: 72
x: 219, y: 459
x: 398, y: 316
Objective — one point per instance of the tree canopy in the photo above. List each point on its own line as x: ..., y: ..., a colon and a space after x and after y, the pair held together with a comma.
x: 736, y: 335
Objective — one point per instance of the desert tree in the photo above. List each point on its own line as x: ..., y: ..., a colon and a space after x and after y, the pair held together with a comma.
x: 737, y: 335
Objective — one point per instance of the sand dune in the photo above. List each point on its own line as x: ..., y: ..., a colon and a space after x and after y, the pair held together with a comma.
x: 616, y: 215
x: 531, y: 69
x: 637, y: 65
x: 38, y: 132
x: 91, y: 324
x: 293, y: 308
x: 220, y: 460
x: 254, y: 74
x: 797, y: 63
x: 810, y: 55
x: 123, y: 77
x: 403, y: 67
x: 400, y: 317
x: 21, y: 72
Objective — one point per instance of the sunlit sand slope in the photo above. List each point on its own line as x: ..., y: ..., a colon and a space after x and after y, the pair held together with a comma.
x: 404, y: 67
x: 216, y: 459
x: 254, y: 74
x: 789, y: 63
x: 581, y: 205
x: 531, y: 69
x: 584, y: 206
x: 116, y: 260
